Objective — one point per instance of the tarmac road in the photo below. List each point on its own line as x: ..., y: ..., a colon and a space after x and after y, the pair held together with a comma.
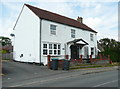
x: 103, y: 79
x: 28, y: 75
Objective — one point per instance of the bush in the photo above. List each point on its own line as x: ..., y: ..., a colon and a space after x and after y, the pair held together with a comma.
x: 4, y: 51
x: 114, y: 54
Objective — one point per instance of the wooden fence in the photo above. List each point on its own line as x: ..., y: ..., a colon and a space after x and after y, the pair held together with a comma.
x: 7, y: 56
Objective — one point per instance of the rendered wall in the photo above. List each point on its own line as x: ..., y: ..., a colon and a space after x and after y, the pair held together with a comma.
x: 63, y: 35
x: 27, y: 37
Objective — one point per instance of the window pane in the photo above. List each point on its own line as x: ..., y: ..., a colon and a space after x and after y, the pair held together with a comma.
x: 73, y: 36
x: 55, y: 46
x: 55, y: 52
x: 53, y: 29
x: 50, y: 46
x: 91, y: 37
x: 50, y: 51
x: 44, y: 45
x: 58, y: 46
x: 58, y: 52
x: 44, y: 51
x: 53, y: 32
x: 72, y: 33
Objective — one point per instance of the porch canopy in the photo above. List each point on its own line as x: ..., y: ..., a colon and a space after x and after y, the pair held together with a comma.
x: 79, y: 42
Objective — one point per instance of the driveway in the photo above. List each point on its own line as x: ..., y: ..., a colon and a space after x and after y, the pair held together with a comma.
x: 15, y: 72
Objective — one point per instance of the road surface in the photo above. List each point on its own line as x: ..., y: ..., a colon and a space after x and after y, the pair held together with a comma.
x: 27, y: 75
x: 103, y: 79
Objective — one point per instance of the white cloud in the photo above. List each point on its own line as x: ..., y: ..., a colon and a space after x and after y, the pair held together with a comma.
x: 9, y: 17
x: 92, y: 22
x: 59, y: 8
x: 104, y: 19
x: 99, y: 16
x: 59, y: 1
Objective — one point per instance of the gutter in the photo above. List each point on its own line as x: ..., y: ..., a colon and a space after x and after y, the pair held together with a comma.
x: 40, y: 40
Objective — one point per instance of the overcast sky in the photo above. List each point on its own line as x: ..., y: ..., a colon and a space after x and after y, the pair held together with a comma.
x: 100, y: 16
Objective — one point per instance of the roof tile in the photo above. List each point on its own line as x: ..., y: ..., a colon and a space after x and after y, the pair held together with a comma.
x: 43, y: 14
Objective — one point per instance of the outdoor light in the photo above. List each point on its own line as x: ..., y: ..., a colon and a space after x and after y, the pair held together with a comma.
x: 12, y: 34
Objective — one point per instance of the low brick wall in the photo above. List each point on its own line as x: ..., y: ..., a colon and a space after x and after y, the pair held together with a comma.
x: 98, y: 61
x: 76, y: 62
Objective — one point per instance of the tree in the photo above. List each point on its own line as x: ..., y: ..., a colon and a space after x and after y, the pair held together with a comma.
x: 111, y: 47
x: 5, y: 41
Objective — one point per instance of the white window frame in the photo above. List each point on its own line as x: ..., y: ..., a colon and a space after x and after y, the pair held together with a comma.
x: 91, y: 37
x: 53, y: 29
x: 72, y: 33
x: 45, y: 48
x: 51, y: 50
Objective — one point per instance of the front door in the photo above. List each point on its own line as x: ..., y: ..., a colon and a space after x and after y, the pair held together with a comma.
x: 74, y: 51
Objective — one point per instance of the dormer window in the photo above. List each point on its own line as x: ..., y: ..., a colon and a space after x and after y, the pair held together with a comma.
x: 53, y: 29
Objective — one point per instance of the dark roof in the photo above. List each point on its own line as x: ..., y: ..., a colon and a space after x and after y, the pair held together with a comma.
x: 43, y: 14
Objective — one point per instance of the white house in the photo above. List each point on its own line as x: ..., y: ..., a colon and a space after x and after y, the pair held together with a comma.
x: 39, y: 33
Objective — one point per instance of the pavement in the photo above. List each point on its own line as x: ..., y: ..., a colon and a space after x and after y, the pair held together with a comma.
x: 24, y: 75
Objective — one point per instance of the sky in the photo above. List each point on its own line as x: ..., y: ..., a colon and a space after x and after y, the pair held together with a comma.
x: 102, y: 16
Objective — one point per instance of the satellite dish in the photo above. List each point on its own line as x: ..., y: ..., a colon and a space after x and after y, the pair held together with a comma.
x: 12, y: 34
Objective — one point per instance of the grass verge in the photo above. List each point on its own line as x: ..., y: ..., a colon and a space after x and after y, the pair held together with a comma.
x: 92, y: 66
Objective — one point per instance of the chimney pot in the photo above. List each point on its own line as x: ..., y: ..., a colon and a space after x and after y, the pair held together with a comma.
x: 80, y: 19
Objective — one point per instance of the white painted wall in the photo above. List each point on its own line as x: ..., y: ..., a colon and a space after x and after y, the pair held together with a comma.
x: 27, y: 37
x: 63, y: 35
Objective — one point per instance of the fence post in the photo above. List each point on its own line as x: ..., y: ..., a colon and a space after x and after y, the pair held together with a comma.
x: 66, y: 57
x: 110, y: 61
x: 49, y: 64
x: 91, y: 59
x: 81, y: 58
x: 100, y: 56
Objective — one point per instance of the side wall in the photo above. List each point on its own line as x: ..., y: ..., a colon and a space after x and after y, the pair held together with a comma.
x: 27, y: 37
x: 63, y: 35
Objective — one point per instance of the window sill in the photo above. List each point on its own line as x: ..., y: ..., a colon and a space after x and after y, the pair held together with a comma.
x: 52, y: 55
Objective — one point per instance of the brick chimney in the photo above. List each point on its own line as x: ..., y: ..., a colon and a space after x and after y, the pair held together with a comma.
x: 80, y: 19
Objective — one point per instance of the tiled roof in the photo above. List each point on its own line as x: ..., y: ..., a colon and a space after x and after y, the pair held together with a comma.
x: 43, y: 14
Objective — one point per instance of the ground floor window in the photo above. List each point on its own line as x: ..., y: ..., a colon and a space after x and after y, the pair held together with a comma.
x: 50, y: 52
x: 51, y: 49
x: 45, y: 52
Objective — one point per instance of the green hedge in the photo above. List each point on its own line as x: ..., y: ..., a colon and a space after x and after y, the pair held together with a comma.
x: 114, y: 54
x: 4, y: 51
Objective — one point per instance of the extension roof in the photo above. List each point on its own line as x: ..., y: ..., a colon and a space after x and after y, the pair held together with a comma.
x: 47, y: 15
